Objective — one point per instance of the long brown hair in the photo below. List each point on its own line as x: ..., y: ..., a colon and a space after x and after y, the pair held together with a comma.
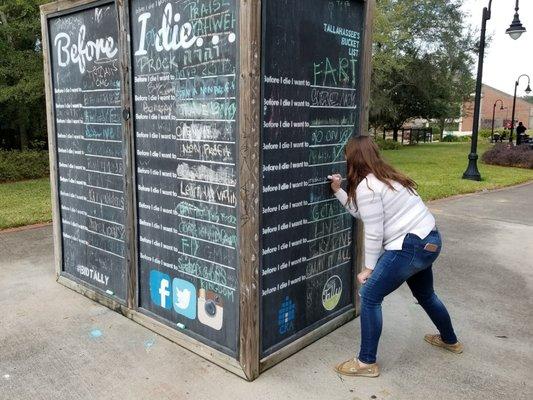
x: 362, y: 158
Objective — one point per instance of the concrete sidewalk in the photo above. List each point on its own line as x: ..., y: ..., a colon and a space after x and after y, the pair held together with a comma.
x: 485, y: 277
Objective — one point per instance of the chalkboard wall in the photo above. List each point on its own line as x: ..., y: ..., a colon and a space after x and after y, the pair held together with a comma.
x: 88, y: 126
x: 185, y: 110
x: 310, y: 108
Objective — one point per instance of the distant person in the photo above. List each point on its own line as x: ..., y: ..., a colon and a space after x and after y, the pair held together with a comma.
x: 520, y: 130
x: 396, y: 219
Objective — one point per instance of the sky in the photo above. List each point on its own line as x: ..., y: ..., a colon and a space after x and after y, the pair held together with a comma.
x: 505, y: 59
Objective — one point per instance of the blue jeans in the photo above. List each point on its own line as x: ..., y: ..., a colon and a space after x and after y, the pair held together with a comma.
x: 412, y: 264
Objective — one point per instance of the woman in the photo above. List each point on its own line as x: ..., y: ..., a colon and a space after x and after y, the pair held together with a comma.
x: 395, y: 219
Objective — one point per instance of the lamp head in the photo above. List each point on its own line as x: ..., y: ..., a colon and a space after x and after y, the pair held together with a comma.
x: 501, y: 108
x: 516, y: 29
x: 528, y: 89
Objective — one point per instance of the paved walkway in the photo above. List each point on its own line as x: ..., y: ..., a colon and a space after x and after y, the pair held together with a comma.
x: 485, y: 276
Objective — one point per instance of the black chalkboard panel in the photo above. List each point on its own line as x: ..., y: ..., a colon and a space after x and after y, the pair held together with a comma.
x: 311, y: 66
x: 185, y: 110
x: 86, y: 85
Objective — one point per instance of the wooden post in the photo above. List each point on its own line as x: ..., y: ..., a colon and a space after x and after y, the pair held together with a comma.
x: 129, y: 151
x: 249, y: 136
x: 58, y: 251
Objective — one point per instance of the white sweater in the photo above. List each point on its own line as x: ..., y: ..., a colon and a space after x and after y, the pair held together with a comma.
x: 387, y: 215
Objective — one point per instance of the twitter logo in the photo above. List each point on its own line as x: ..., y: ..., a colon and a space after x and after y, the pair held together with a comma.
x: 184, y: 298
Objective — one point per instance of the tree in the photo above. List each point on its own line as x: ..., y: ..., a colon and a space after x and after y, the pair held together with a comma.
x: 422, y: 55
x: 22, y: 104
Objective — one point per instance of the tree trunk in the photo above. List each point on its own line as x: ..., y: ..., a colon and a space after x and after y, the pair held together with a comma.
x: 23, y: 133
x: 384, y: 133
x: 442, y: 122
x: 395, y: 134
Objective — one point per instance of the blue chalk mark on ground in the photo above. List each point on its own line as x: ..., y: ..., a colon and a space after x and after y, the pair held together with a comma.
x: 149, y: 343
x: 96, y: 333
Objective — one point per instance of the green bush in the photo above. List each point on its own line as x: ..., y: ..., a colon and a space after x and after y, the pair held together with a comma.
x: 486, y: 133
x: 388, y: 144
x: 453, y: 138
x: 18, y: 165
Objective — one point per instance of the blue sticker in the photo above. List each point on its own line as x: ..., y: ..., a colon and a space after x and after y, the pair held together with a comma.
x: 286, y: 314
x: 184, y: 298
x: 160, y: 289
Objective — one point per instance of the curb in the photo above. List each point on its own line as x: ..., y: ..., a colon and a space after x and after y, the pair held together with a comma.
x: 25, y: 227
x: 480, y: 192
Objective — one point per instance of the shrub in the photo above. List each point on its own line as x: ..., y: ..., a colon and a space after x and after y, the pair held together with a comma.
x: 388, y: 144
x: 17, y: 165
x: 509, y: 155
x: 486, y: 133
x: 453, y: 138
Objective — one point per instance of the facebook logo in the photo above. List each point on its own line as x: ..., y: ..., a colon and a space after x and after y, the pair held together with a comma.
x: 160, y: 289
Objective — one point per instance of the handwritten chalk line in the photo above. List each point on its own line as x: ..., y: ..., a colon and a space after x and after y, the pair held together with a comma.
x: 210, y: 182
x: 104, y: 220
x: 76, y: 239
x: 322, y: 201
x: 106, y: 251
x: 105, y: 205
x: 328, y: 269
x: 206, y: 140
x: 210, y: 15
x: 184, y: 78
x: 103, y: 140
x: 327, y: 145
x: 322, y: 182
x: 208, y: 222
x: 205, y: 201
x: 205, y: 279
x: 101, y: 234
x: 102, y: 172
x: 331, y: 251
x: 103, y: 123
x: 335, y: 107
x: 99, y: 156
x: 101, y: 107
x: 99, y: 90
x: 329, y: 234
x: 206, y: 161
x: 330, y: 217
x: 203, y: 259
x: 206, y: 98
x: 328, y: 163
x: 209, y: 261
x: 103, y: 188
x: 207, y: 241
x: 200, y: 258
x: 333, y: 87
x: 204, y: 120
x: 331, y: 126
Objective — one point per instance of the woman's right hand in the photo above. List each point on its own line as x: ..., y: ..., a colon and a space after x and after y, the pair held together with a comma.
x: 336, y: 180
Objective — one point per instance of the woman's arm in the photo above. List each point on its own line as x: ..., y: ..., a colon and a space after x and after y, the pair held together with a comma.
x: 341, y: 195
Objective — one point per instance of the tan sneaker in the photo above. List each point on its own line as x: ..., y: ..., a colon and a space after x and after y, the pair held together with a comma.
x: 351, y: 367
x: 435, y: 340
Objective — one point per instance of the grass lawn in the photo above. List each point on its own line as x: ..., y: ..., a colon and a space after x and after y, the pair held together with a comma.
x: 25, y: 203
x: 436, y: 167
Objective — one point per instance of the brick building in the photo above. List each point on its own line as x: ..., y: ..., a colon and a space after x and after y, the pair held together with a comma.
x: 502, y: 118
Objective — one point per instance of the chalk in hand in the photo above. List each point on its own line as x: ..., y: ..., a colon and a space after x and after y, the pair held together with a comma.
x: 330, y: 177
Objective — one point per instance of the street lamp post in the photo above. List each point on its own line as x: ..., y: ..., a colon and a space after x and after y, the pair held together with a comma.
x: 528, y: 91
x: 515, y: 30
x: 493, y: 114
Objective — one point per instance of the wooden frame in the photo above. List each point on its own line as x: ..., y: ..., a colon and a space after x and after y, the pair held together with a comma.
x: 248, y: 364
